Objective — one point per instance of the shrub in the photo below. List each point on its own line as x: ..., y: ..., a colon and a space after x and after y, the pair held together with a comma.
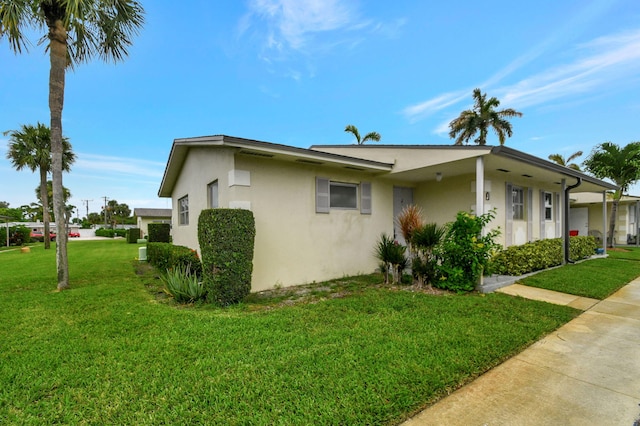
x: 542, y: 254
x: 133, y: 235
x: 425, y: 239
x: 464, y: 254
x: 226, y: 238
x: 183, y: 284
x: 159, y: 233
x: 409, y: 219
x: 105, y: 232
x: 392, y: 258
x: 166, y: 256
x: 18, y: 235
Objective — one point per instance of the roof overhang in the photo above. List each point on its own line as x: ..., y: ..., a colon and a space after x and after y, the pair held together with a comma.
x: 181, y: 147
x: 419, y: 163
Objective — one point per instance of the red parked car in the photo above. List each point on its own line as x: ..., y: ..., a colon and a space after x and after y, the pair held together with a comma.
x: 39, y: 236
x: 74, y: 234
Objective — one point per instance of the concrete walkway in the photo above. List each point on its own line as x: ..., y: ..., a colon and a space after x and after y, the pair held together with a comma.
x: 585, y: 373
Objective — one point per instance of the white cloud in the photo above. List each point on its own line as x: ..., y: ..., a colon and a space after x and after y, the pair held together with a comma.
x: 599, y: 64
x: 118, y: 165
x: 607, y: 60
x: 290, y: 22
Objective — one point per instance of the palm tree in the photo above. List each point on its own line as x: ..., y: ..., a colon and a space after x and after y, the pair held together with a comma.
x: 371, y: 136
x: 30, y: 147
x: 480, y: 118
x: 559, y: 159
x: 77, y: 31
x: 621, y: 165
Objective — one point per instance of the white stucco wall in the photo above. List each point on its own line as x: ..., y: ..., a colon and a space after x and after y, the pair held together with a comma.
x: 294, y: 244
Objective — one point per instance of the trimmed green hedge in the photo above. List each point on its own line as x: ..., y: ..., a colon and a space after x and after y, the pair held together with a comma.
x: 110, y: 233
x: 168, y: 256
x: 542, y: 254
x: 226, y: 238
x: 133, y: 235
x: 159, y: 232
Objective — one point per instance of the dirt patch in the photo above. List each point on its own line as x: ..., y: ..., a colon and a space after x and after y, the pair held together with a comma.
x: 623, y: 250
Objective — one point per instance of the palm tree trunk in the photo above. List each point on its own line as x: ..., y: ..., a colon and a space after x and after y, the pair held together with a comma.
x: 58, y: 57
x: 612, y: 221
x: 46, y: 218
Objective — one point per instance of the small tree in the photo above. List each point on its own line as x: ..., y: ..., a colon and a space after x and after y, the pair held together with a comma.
x: 622, y: 166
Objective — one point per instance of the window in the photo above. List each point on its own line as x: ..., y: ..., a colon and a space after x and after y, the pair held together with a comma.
x: 212, y: 194
x: 183, y: 210
x: 343, y: 195
x: 518, y: 203
x: 548, y: 206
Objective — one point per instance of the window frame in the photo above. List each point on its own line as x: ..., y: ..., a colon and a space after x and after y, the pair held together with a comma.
x: 210, y: 186
x: 183, y: 210
x: 354, y: 196
x: 548, y: 206
x: 517, y: 206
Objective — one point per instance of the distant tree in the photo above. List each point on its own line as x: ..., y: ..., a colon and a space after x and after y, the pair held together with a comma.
x: 78, y: 30
x: 371, y: 136
x: 49, y: 186
x: 4, y: 205
x: 116, y: 213
x: 95, y: 218
x: 13, y: 214
x: 30, y: 147
x: 567, y: 162
x: 621, y: 165
x: 480, y: 118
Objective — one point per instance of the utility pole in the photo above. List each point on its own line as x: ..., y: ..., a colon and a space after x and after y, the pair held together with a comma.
x: 86, y: 203
x: 105, y: 211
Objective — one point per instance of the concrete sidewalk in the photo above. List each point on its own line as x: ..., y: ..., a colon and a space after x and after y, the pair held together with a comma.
x: 585, y: 373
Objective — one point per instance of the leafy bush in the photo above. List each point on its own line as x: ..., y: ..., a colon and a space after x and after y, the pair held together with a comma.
x: 183, y: 284
x: 392, y: 258
x: 159, y: 232
x: 542, y: 254
x: 166, y: 256
x: 464, y: 254
x: 133, y: 235
x: 18, y: 235
x: 226, y: 238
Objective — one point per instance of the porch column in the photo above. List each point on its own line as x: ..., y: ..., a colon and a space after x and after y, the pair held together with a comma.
x: 564, y: 225
x: 480, y: 187
x: 636, y: 222
x: 604, y: 221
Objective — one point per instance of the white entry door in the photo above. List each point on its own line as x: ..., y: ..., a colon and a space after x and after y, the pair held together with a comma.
x: 401, y: 197
x: 579, y: 220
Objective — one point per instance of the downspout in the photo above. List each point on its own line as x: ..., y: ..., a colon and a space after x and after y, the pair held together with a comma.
x: 566, y: 219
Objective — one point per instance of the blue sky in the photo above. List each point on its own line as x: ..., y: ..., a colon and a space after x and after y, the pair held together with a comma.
x: 297, y: 72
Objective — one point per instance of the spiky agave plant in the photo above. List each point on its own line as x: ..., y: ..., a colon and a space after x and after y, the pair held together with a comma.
x: 183, y: 285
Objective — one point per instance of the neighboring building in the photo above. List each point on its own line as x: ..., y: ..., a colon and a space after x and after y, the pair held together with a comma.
x: 320, y: 211
x: 588, y: 217
x: 147, y: 216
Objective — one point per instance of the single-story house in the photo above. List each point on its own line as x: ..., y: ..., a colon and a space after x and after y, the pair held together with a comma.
x: 588, y: 217
x: 320, y: 211
x: 147, y: 216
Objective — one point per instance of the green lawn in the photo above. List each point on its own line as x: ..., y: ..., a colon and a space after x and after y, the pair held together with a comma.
x: 597, y: 278
x: 109, y: 352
